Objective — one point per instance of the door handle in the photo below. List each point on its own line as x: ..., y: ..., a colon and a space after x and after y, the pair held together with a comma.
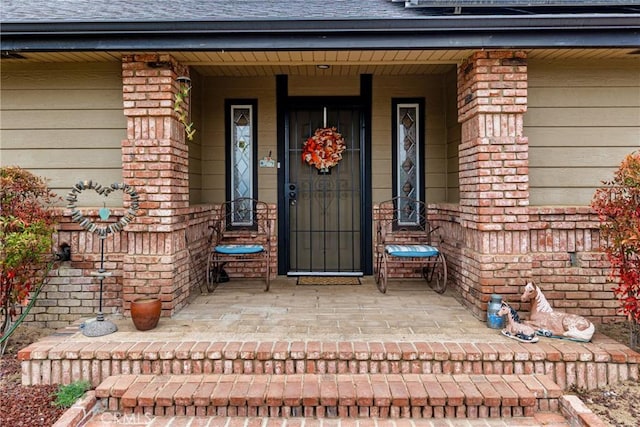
x: 292, y: 193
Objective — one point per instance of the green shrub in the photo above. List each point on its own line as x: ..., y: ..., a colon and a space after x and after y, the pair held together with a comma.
x: 26, y: 227
x: 618, y: 206
x: 66, y: 395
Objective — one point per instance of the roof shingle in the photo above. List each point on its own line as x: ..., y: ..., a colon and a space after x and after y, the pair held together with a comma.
x: 199, y: 10
x: 16, y: 11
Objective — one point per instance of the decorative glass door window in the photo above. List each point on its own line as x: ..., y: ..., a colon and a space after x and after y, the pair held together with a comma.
x: 242, y: 158
x: 408, y: 157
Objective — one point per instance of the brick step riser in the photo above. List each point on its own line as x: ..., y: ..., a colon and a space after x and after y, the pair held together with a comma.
x: 583, y: 374
x: 330, y: 396
x: 462, y: 411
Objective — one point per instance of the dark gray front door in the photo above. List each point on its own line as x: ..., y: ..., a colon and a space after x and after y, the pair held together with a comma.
x: 324, y: 209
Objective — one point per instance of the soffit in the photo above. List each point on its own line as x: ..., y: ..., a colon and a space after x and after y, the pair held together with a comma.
x: 343, y: 63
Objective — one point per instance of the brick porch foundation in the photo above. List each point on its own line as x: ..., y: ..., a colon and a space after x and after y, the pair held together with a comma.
x: 589, y: 365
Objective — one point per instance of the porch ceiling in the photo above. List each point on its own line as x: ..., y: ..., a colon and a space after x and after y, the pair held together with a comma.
x: 343, y: 62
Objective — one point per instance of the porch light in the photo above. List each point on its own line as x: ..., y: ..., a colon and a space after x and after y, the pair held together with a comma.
x: 184, y: 80
x: 323, y: 66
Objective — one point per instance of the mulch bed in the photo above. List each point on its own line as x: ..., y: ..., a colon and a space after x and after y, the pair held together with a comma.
x: 26, y: 406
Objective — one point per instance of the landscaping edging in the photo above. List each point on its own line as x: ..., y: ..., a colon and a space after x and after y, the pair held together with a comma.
x: 577, y: 413
x: 81, y: 412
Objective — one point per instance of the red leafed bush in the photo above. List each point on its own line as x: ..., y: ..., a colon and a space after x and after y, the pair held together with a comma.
x: 26, y: 228
x: 618, y: 206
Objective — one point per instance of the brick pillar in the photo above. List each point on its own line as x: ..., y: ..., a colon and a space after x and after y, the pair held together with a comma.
x: 494, y: 175
x: 155, y: 162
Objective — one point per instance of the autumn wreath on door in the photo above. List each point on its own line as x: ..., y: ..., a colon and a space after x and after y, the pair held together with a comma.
x: 323, y: 149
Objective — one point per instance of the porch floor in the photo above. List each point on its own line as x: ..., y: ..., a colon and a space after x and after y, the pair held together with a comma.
x: 410, y: 311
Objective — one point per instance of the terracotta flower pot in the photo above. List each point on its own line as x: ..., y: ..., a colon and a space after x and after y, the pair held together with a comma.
x: 145, y: 313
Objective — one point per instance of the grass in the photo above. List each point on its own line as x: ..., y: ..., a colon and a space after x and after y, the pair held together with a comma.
x: 66, y: 395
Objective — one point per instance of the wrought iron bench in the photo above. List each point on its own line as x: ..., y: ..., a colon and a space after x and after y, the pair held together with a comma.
x: 240, y: 233
x: 404, y: 240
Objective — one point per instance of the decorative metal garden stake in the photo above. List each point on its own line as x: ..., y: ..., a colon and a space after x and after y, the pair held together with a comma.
x: 101, y: 326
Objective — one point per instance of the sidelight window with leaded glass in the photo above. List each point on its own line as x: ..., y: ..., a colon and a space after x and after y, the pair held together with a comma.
x: 241, y: 154
x: 408, y: 156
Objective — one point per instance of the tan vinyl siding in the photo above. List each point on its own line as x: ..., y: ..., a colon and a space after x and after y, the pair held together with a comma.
x: 195, y: 146
x: 431, y: 88
x: 453, y: 138
x: 64, y: 122
x: 216, y: 90
x: 583, y: 118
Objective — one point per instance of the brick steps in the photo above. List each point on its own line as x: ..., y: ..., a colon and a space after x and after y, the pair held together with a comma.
x: 108, y: 420
x: 60, y: 360
x: 331, y: 395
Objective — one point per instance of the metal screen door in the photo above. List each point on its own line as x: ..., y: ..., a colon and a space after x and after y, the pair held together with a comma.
x: 324, y: 209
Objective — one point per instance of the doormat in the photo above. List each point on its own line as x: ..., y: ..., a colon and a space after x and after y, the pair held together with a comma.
x: 328, y: 280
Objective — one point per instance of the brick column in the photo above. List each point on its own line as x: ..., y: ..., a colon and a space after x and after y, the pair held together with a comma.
x: 494, y: 175
x: 155, y: 162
